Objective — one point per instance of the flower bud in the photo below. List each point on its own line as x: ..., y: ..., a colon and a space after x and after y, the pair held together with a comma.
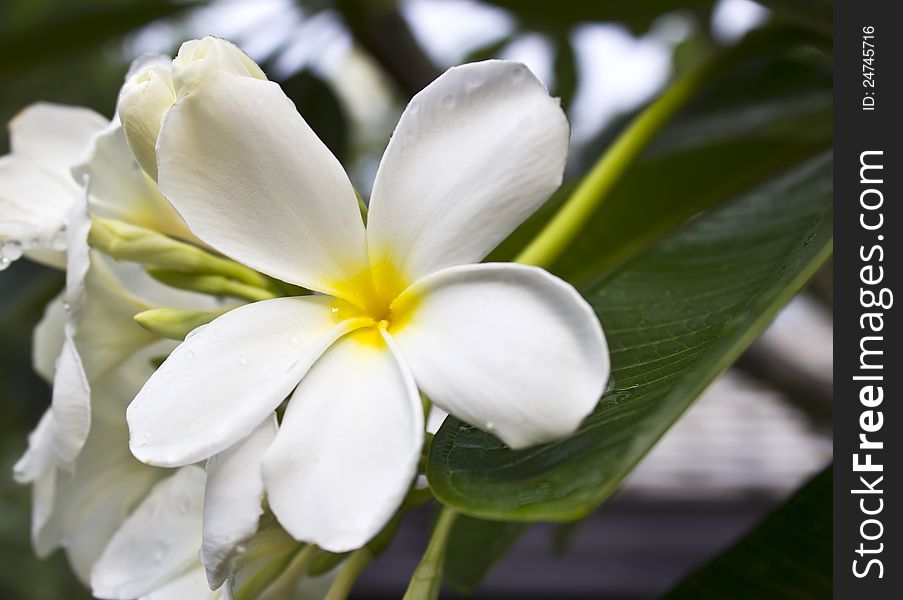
x: 143, y: 102
x: 199, y: 60
x: 154, y: 88
x: 175, y: 323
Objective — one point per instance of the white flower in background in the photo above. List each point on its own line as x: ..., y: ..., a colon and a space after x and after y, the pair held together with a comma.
x: 80, y: 508
x: 85, y: 481
x: 36, y: 188
x: 508, y: 348
x: 154, y: 553
x: 43, y: 214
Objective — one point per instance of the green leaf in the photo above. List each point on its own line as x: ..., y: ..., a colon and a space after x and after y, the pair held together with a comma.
x: 788, y: 555
x: 77, y: 29
x: 474, y: 547
x: 676, y: 317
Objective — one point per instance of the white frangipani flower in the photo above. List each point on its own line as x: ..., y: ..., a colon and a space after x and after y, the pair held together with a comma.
x: 36, y: 188
x: 509, y: 348
x: 80, y: 508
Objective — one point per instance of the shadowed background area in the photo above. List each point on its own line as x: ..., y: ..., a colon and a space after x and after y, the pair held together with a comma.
x: 350, y: 66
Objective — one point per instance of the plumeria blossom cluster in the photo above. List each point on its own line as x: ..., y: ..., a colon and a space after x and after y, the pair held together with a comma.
x: 295, y: 424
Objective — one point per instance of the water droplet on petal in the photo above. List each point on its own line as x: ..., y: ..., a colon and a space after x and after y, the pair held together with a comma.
x: 242, y: 361
x: 518, y: 73
x: 11, y: 250
x: 4, y: 263
x: 449, y: 101
x: 160, y: 550
x: 490, y: 425
x: 189, y: 355
x: 148, y: 433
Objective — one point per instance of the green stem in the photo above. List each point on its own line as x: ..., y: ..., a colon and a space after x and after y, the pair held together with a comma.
x: 427, y: 579
x: 351, y: 569
x: 284, y: 586
x: 596, y: 187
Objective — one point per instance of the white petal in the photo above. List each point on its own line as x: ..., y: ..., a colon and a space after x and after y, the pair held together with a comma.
x: 39, y: 457
x: 106, y: 332
x: 222, y: 381
x: 33, y: 203
x: 198, y: 61
x: 190, y: 586
x: 253, y: 180
x: 348, y: 446
x: 94, y: 500
x: 38, y: 467
x: 157, y: 542
x: 232, y: 502
x: 508, y: 348
x: 47, y: 339
x: 474, y: 154
x: 46, y: 535
x: 71, y: 404
x: 121, y: 190
x: 53, y: 133
x: 436, y: 417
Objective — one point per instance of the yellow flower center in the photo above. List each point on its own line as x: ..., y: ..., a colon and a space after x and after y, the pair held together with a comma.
x: 375, y: 294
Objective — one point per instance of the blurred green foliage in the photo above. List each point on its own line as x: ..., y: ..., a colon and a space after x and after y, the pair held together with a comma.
x: 749, y: 128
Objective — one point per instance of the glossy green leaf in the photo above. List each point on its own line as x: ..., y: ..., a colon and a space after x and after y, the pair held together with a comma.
x: 475, y: 546
x: 676, y: 317
x: 786, y: 557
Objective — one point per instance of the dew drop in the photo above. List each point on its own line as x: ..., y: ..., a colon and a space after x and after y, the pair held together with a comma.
x: 189, y: 355
x: 518, y: 73
x: 148, y: 433
x: 490, y: 425
x: 448, y: 101
x: 242, y: 361
x: 4, y: 263
x: 474, y: 81
x: 241, y: 549
x: 11, y: 250
x: 160, y: 550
